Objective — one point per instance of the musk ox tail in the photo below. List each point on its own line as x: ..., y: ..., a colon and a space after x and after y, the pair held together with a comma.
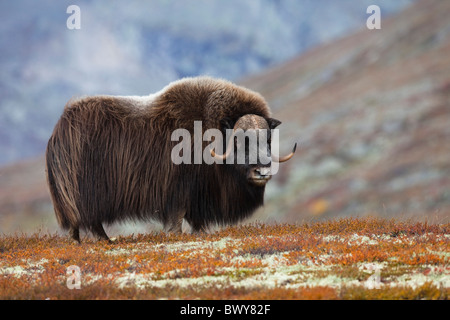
x: 62, y: 153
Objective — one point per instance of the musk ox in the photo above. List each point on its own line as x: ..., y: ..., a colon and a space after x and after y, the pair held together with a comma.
x: 109, y: 159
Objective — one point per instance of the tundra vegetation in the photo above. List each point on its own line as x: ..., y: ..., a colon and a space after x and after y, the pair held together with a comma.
x: 363, y: 258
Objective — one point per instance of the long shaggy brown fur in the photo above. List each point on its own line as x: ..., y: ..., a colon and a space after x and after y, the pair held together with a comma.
x: 109, y: 159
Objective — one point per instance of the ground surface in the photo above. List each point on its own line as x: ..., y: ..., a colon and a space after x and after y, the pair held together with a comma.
x: 341, y: 259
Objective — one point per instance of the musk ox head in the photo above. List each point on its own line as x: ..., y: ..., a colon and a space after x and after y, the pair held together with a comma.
x: 250, y: 145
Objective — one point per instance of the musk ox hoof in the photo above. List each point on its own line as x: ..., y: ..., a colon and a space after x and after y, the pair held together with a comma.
x: 107, y: 240
x: 74, y: 241
x: 74, y: 233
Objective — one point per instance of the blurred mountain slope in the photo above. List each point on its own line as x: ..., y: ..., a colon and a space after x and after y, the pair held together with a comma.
x: 25, y: 203
x: 371, y: 113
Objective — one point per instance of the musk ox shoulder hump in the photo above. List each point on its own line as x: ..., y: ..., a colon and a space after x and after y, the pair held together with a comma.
x: 208, y: 99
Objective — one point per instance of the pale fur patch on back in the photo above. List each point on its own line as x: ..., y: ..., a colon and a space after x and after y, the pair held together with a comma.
x: 140, y: 102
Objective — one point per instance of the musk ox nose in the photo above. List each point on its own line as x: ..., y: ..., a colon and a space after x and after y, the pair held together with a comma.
x: 263, y: 172
x: 259, y: 176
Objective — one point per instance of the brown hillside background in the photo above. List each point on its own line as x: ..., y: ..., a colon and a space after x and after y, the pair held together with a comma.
x: 371, y: 115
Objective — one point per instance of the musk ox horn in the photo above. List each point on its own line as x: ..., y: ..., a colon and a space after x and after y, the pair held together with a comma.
x: 285, y: 158
x: 224, y: 156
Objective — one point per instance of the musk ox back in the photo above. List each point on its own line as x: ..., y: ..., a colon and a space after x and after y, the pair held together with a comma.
x: 109, y: 159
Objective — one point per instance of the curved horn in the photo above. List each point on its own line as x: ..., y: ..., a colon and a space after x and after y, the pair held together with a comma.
x: 285, y: 158
x: 227, y: 153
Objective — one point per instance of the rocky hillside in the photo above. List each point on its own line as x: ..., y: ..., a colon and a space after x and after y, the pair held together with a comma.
x: 370, y: 113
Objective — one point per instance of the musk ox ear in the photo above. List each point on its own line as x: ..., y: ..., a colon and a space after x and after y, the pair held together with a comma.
x: 273, y: 123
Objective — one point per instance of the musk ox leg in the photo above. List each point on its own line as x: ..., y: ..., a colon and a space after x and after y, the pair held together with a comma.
x: 75, y: 234
x: 98, y: 231
x: 199, y: 228
x: 175, y: 222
